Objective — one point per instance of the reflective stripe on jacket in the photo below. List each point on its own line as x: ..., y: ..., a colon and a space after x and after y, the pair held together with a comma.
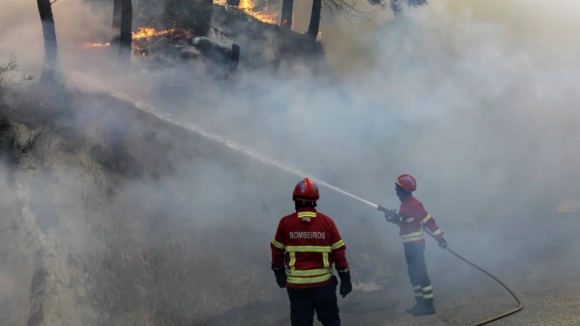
x: 414, y: 219
x: 308, y: 243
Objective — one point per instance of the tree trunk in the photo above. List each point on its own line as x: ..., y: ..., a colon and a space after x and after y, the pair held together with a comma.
x: 315, y: 19
x: 49, y: 33
x: 116, y: 15
x: 125, y: 38
x: 287, y: 9
x: 201, y: 17
x: 234, y: 3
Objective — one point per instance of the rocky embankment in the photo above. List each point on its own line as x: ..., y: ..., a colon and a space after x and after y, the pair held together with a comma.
x: 111, y: 216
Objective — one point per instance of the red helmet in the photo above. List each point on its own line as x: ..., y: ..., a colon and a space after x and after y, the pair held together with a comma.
x: 407, y: 182
x: 305, y: 190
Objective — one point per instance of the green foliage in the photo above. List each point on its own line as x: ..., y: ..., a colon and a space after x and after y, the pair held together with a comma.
x: 8, y: 78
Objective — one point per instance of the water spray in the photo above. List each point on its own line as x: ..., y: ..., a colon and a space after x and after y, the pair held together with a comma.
x: 231, y: 144
x: 239, y: 148
x: 255, y: 155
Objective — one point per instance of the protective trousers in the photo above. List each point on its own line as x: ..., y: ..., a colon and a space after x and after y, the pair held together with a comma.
x: 415, y: 256
x: 303, y: 303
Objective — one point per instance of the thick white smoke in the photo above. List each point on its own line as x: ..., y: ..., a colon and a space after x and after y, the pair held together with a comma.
x: 477, y: 99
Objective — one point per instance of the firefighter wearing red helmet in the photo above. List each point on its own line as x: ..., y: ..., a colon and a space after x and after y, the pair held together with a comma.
x: 412, y: 220
x: 306, y: 245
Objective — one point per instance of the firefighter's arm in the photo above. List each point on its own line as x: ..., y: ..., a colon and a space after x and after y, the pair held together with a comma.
x: 338, y: 250
x: 340, y: 263
x: 277, y: 247
x: 431, y: 226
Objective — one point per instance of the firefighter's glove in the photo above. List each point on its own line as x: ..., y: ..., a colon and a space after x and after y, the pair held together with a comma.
x: 442, y: 243
x: 345, y: 284
x: 280, y: 274
x: 390, y: 214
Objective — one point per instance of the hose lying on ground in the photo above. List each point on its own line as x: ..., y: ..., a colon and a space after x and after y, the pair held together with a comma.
x: 505, y: 314
x: 492, y: 319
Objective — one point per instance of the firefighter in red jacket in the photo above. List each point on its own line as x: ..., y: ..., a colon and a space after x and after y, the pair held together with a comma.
x: 306, y: 245
x: 412, y: 220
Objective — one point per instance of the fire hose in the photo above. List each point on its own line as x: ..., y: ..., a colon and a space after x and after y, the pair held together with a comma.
x: 382, y: 209
x: 492, y: 319
x: 500, y: 316
x: 267, y: 160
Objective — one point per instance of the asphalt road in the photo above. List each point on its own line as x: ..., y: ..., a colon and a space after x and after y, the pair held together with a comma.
x: 553, y: 301
x: 548, y: 288
x: 541, y: 265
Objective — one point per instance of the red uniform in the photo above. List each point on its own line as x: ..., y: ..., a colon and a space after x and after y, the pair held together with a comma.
x: 307, y: 243
x: 413, y: 219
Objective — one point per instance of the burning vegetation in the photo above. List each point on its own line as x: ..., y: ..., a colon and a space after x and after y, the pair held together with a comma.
x: 188, y: 42
x: 141, y: 34
x: 248, y: 7
x: 97, y: 45
x: 194, y: 29
x: 145, y: 32
x: 180, y: 44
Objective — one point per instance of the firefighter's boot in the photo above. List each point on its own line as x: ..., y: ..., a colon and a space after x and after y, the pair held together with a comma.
x: 415, y: 307
x: 426, y: 308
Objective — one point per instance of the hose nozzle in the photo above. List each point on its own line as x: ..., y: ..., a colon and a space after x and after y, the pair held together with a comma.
x: 382, y: 209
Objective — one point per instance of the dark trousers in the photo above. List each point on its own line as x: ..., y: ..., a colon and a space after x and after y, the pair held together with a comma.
x: 303, y: 303
x: 415, y: 256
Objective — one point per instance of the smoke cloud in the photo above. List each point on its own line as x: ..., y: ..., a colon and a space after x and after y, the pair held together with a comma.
x: 476, y: 99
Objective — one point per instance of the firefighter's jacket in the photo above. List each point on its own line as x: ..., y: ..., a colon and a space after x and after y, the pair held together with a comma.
x: 307, y: 243
x: 413, y: 219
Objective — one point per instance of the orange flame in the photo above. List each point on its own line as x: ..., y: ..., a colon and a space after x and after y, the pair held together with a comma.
x: 248, y: 7
x: 96, y: 45
x: 145, y: 32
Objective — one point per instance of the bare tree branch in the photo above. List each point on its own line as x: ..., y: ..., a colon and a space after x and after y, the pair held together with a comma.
x: 351, y: 11
x: 397, y: 5
x: 7, y: 78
